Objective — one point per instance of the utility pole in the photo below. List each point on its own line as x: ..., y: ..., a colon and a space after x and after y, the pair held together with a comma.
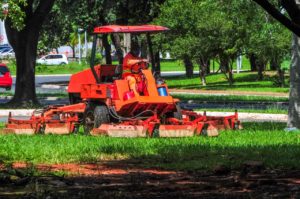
x: 239, y: 64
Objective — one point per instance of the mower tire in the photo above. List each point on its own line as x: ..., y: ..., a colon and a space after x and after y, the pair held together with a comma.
x: 101, y: 115
x: 94, y: 116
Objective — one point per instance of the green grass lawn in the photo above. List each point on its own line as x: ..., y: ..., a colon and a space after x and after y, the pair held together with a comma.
x: 172, y: 66
x: 166, y: 65
x: 266, y: 142
x: 71, y: 68
x: 269, y: 110
x: 228, y: 98
x: 199, y: 99
x: 74, y: 67
x: 246, y: 81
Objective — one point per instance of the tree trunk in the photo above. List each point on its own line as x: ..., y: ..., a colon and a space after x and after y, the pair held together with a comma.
x: 117, y: 43
x: 281, y: 77
x: 294, y: 99
x: 260, y: 69
x: 157, y: 64
x: 24, y: 44
x: 224, y: 66
x: 73, y: 51
x: 203, y: 65
x: 107, y: 49
x: 208, y: 67
x: 252, y: 59
x: 189, y: 68
x: 274, y: 64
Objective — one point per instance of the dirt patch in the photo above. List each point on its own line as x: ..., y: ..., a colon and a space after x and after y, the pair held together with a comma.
x: 119, y: 180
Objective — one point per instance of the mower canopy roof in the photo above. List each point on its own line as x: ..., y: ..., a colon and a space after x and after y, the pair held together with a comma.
x: 129, y: 29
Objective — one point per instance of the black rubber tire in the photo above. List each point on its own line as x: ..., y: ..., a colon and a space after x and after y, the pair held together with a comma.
x: 88, y: 119
x: 101, y: 115
x: 94, y: 116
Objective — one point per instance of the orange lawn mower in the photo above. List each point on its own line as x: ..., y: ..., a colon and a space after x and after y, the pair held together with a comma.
x: 121, y: 101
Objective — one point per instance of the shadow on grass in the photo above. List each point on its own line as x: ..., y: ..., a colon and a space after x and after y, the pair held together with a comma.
x: 194, y: 160
x: 143, y: 184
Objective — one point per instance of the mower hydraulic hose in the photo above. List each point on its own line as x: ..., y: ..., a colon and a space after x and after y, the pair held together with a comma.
x: 114, y: 114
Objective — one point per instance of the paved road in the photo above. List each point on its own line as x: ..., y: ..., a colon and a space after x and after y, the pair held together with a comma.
x: 41, y: 79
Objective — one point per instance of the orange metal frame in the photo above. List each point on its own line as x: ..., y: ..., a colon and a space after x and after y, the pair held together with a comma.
x: 52, y: 116
x: 88, y: 89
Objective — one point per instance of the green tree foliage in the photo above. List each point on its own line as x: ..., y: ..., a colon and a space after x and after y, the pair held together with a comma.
x: 56, y: 28
x: 267, y: 40
x: 16, y: 13
x: 204, y: 30
x: 65, y: 18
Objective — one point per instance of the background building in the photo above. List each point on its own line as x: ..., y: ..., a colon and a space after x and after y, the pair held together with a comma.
x: 3, y: 38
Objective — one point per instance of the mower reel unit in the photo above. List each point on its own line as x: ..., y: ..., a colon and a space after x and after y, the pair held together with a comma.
x: 102, y: 100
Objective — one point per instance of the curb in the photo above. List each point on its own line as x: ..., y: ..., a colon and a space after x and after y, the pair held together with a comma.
x: 253, y: 117
x: 53, y: 86
x: 16, y: 112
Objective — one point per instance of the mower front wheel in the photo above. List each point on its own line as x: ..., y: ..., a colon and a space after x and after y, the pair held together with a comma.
x: 101, y: 115
x: 88, y: 120
x: 94, y: 116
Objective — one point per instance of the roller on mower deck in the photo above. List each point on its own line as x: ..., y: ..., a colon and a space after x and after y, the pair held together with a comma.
x: 110, y: 101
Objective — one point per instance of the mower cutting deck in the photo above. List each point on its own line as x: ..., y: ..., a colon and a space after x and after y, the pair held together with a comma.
x: 111, y: 102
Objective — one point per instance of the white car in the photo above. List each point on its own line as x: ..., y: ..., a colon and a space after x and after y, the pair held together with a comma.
x: 56, y: 59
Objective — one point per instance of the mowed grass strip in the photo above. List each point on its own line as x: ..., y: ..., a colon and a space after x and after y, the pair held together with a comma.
x: 245, y: 81
x: 266, y: 142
